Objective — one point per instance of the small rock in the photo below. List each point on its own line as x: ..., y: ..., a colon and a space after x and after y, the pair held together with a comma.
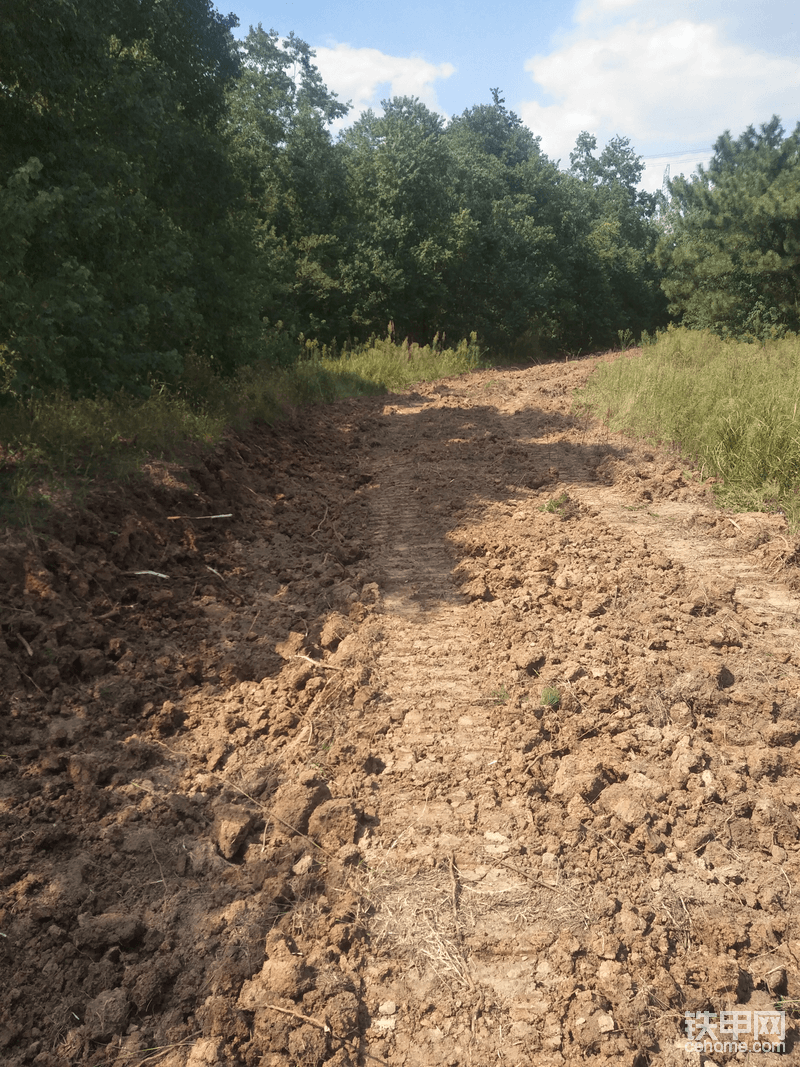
x: 681, y: 713
x: 622, y: 801
x: 206, y: 1052
x: 363, y: 697
x: 294, y: 802
x: 477, y: 589
x: 291, y: 646
x: 107, y: 1014
x: 571, y: 672
x: 231, y: 828
x: 579, y: 776
x: 387, y: 1008
x: 84, y: 771
x: 277, y: 978
x: 303, y: 865
x: 92, y: 663
x: 335, y: 629
x: 605, y: 1022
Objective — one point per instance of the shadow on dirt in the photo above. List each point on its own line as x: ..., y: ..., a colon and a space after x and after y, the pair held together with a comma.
x: 180, y: 661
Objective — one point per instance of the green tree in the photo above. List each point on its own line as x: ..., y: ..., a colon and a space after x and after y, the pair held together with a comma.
x: 495, y: 131
x: 278, y: 132
x: 123, y: 243
x: 407, y: 224
x: 620, y: 280
x: 730, y: 247
x: 502, y: 283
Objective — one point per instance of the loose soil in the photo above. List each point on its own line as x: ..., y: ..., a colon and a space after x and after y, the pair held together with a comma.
x: 437, y: 728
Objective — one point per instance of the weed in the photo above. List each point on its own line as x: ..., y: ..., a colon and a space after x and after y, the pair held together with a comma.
x: 731, y: 407
x: 791, y: 1005
x: 555, y: 504
x: 382, y: 364
x: 551, y: 697
x: 51, y: 447
x: 500, y: 696
x: 563, y: 506
x: 626, y: 340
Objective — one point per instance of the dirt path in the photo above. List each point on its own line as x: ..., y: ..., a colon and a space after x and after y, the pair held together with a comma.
x: 468, y: 739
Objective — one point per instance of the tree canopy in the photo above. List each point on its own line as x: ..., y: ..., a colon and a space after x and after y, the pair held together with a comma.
x: 168, y: 192
x: 730, y: 249
x: 123, y: 245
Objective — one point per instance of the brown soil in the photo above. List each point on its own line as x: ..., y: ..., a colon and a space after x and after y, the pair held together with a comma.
x: 283, y: 788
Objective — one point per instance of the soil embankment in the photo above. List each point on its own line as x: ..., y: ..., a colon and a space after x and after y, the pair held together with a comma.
x: 469, y: 737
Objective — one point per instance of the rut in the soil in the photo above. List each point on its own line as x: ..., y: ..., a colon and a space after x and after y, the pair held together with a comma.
x: 424, y: 662
x: 304, y: 802
x: 533, y: 868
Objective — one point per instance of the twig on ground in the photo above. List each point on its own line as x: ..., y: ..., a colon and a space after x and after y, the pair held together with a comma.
x: 324, y: 517
x: 228, y: 585
x: 318, y: 663
x: 28, y: 648
x: 24, y: 675
x: 303, y: 1018
x: 191, y: 518
x: 453, y: 886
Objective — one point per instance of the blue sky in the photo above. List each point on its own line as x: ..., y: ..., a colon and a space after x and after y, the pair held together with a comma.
x: 669, y: 74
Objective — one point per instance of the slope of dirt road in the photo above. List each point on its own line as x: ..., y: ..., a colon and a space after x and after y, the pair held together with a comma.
x: 438, y: 728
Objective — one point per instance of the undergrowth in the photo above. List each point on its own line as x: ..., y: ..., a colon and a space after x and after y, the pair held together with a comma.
x: 729, y: 406
x: 52, y: 448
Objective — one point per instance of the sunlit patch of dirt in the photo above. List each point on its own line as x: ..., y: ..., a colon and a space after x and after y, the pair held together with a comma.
x: 445, y: 727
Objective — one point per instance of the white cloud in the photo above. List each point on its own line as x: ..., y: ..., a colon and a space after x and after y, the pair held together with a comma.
x: 678, y: 82
x: 365, y: 76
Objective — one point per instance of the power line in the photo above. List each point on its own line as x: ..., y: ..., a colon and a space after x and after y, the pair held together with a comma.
x: 681, y: 153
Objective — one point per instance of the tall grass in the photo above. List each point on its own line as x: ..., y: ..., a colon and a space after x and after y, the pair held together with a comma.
x: 731, y: 407
x: 395, y: 366
x: 60, y: 442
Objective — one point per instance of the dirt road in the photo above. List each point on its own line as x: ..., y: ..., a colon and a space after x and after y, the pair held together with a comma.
x: 439, y: 728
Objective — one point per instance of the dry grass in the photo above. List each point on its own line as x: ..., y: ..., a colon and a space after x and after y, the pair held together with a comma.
x: 426, y: 917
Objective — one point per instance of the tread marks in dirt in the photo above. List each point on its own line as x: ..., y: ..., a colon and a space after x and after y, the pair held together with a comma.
x: 560, y: 880
x: 313, y: 808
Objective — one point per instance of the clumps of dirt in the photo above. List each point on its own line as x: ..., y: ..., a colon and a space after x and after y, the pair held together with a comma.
x: 439, y: 729
x: 169, y: 844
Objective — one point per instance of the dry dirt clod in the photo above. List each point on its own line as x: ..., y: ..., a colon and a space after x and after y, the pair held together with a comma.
x: 305, y: 801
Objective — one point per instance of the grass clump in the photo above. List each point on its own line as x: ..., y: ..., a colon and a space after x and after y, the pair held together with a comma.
x: 555, y: 504
x: 730, y: 406
x: 394, y: 366
x: 563, y: 506
x: 500, y: 695
x: 551, y: 697
x: 51, y: 445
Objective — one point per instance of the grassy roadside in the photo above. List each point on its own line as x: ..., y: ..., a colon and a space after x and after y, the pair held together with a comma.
x: 730, y: 407
x: 51, y: 449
